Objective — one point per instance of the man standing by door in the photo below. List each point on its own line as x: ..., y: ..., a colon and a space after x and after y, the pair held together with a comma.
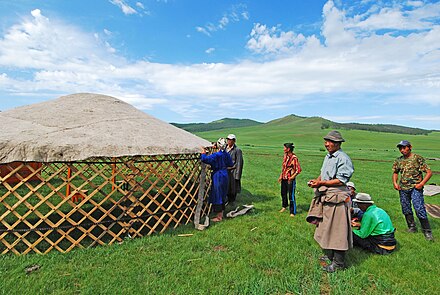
x: 234, y: 186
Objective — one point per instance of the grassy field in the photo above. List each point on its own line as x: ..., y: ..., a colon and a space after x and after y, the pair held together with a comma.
x: 264, y: 252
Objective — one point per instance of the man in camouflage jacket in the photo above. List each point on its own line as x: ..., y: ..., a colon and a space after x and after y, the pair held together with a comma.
x: 411, y: 168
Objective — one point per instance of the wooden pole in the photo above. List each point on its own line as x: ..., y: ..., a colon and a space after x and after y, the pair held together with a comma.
x: 113, y: 174
x: 200, y: 196
x: 69, y: 174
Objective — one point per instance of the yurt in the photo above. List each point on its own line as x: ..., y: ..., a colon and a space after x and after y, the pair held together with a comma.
x: 89, y: 169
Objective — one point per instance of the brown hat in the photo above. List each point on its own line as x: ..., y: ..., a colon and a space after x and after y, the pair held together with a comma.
x: 334, y: 136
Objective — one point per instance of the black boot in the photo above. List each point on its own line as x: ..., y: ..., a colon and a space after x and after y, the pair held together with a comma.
x: 426, y: 228
x: 411, y: 223
x: 338, y: 262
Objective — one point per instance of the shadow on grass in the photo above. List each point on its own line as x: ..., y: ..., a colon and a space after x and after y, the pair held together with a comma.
x: 246, y: 197
x: 357, y: 255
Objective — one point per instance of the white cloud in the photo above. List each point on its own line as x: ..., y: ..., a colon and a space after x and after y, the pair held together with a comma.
x: 36, y: 13
x: 415, y: 3
x: 210, y: 50
x: 265, y: 40
x: 126, y: 9
x: 203, y: 30
x: 334, y: 27
x: 235, y: 14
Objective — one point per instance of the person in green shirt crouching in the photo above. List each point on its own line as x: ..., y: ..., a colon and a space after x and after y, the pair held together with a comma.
x: 376, y: 232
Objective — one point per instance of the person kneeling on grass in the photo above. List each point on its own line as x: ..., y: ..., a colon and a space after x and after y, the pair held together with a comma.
x: 376, y: 232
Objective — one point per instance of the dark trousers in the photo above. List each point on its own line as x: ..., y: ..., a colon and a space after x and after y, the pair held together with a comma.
x: 218, y: 207
x: 371, y: 243
x: 288, y: 190
x: 234, y: 187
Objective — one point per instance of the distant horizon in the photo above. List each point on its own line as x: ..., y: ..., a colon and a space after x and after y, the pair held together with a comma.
x: 197, y: 60
x: 262, y: 122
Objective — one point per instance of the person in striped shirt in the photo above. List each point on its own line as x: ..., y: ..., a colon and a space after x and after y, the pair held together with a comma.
x: 290, y: 170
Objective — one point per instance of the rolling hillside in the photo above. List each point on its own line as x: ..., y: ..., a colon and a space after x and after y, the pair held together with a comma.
x: 322, y: 123
x: 216, y: 125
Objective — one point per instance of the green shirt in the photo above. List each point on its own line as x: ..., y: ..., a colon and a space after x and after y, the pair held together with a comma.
x: 411, y: 169
x: 374, y: 222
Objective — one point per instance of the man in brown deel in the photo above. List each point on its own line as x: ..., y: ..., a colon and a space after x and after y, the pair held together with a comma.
x: 333, y: 228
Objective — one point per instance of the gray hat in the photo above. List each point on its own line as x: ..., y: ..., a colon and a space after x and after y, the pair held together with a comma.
x: 334, y: 136
x: 351, y: 184
x: 363, y: 198
x: 403, y: 143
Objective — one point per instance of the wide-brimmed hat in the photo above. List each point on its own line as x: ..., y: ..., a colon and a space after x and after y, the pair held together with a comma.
x: 231, y: 136
x: 334, y: 136
x: 363, y: 198
x: 403, y: 143
x: 351, y: 184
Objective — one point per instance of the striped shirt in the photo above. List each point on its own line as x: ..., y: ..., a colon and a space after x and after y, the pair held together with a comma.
x: 290, y: 166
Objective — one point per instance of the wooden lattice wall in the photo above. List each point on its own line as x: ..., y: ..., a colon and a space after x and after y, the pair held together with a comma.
x: 99, y: 201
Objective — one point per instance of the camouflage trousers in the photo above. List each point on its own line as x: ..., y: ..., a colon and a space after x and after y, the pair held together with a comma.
x: 416, y: 197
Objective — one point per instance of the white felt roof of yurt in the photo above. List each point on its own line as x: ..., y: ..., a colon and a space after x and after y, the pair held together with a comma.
x: 85, y: 125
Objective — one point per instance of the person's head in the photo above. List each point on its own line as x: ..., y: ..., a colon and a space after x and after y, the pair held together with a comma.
x: 405, y: 148
x: 352, y: 188
x: 333, y: 141
x: 363, y: 201
x: 288, y: 147
x: 231, y: 139
x: 221, y: 144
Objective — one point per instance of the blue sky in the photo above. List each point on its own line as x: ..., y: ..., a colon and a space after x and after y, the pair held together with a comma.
x: 201, y: 60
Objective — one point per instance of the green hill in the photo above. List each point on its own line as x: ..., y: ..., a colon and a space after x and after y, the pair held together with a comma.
x: 229, y: 123
x: 327, y: 124
x: 216, y: 125
x: 307, y: 134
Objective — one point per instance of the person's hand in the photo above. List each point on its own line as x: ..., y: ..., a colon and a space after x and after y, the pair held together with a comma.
x: 279, y: 179
x: 396, y: 187
x: 203, y: 150
x: 355, y: 224
x: 291, y: 179
x: 314, y: 183
x: 418, y: 186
